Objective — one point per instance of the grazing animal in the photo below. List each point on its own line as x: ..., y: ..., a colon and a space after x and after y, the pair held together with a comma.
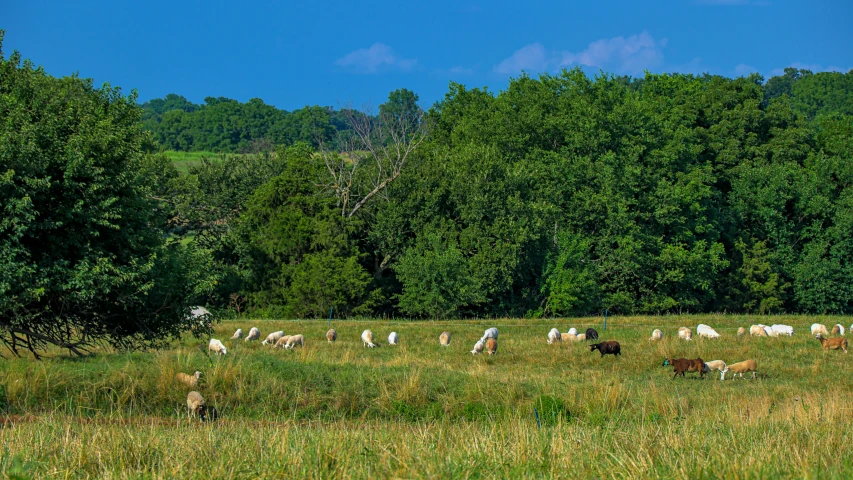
x: 293, y: 341
x: 819, y: 328
x: 216, y: 346
x: 782, y: 329
x: 770, y: 332
x: 705, y: 331
x: 554, y: 336
x: 188, y: 380
x: 491, y: 346
x: 478, y: 347
x: 656, y: 334
x: 393, y: 338
x: 838, y: 329
x: 682, y: 365
x: 758, y: 330
x: 581, y: 337
x: 718, y: 365
x: 444, y: 339
x: 273, y: 337
x: 281, y: 342
x: 367, y: 339
x: 566, y: 337
x: 685, y: 333
x: 490, y: 333
x: 254, y: 334
x: 237, y: 335
x: 741, y: 331
x: 573, y: 331
x: 832, y: 343
x: 331, y: 335
x: 591, y: 334
x: 741, y: 368
x: 196, y: 405
x: 610, y: 347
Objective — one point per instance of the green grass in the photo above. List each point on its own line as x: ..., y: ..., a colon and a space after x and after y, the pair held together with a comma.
x: 183, y: 160
x: 420, y: 410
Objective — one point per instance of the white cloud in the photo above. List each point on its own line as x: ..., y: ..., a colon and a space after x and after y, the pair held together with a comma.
x: 624, y: 55
x: 530, y: 58
x: 460, y: 70
x: 744, y: 70
x: 371, y: 60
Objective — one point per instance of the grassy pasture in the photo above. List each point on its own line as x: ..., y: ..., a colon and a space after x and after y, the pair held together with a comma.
x: 419, y: 410
x: 183, y: 160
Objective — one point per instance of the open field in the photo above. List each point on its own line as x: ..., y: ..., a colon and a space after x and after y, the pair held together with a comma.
x: 419, y: 410
x: 183, y: 160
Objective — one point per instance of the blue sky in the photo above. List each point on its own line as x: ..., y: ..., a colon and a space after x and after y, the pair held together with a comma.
x: 293, y: 54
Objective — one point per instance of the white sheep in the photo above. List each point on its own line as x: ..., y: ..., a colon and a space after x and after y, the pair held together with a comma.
x: 718, y: 365
x: 770, y: 332
x: 196, y: 405
x: 573, y: 331
x: 332, y: 335
x: 783, y: 329
x: 444, y: 339
x: 489, y: 333
x: 838, y: 329
x: 581, y: 337
x: 293, y: 341
x: 367, y: 339
x: 568, y: 337
x: 685, y: 333
x: 188, y: 380
x: 216, y: 346
x: 393, y: 338
x: 237, y: 335
x: 656, y: 334
x: 273, y: 337
x: 741, y: 331
x: 819, y: 328
x: 705, y: 331
x: 758, y: 330
x: 554, y: 336
x: 254, y: 334
x: 478, y: 347
x: 281, y: 342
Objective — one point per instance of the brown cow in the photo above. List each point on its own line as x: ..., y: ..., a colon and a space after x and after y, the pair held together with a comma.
x: 681, y: 365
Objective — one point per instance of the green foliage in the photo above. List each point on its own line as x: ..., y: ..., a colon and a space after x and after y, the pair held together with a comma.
x: 763, y: 291
x: 552, y: 411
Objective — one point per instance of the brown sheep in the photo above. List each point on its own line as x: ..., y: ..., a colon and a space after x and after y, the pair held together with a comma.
x: 491, y: 346
x: 741, y: 332
x: 188, y: 380
x: 682, y: 365
x: 832, y: 343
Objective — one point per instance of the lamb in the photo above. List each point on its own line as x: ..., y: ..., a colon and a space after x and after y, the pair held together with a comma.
x: 367, y: 339
x: 605, y: 348
x: 491, y: 346
x: 783, y: 329
x: 741, y: 331
x: 580, y: 337
x: 478, y: 347
x: 196, y: 405
x: 281, y: 342
x: 718, y: 365
x: 573, y: 331
x: 758, y: 330
x: 742, y: 367
x: 489, y: 333
x: 568, y: 337
x: 293, y: 341
x: 393, y: 338
x: 254, y: 334
x: 554, y: 336
x: 273, y: 337
x: 237, y: 335
x: 819, y: 328
x: 832, y: 343
x: 656, y: 334
x: 331, y: 335
x: 188, y: 380
x: 685, y: 333
x: 216, y: 346
x: 705, y: 331
x: 682, y: 365
x: 591, y: 334
x: 838, y: 329
x: 444, y: 339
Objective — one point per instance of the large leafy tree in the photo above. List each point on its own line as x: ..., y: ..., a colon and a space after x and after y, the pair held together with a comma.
x: 82, y: 260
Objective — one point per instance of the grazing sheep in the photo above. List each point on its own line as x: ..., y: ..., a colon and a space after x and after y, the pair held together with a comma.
x: 444, y: 339
x: 478, y: 347
x: 705, y: 331
x: 281, y: 342
x: 741, y: 331
x: 196, y: 405
x: 293, y: 341
x: 254, y: 334
x: 273, y: 337
x: 819, y: 328
x: 718, y: 365
x: 581, y: 337
x: 237, y: 335
x: 682, y: 365
x: 568, y: 337
x: 573, y: 331
x: 554, y: 336
x: 770, y: 332
x: 188, y: 380
x: 741, y: 368
x: 216, y: 346
x: 591, y: 334
x: 685, y: 333
x: 838, y: 329
x: 758, y: 330
x: 606, y: 348
x: 393, y: 338
x: 331, y: 335
x: 783, y: 329
x: 832, y: 343
x: 656, y: 334
x: 367, y: 339
x: 491, y: 346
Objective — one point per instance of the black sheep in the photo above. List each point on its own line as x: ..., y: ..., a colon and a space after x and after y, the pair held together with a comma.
x: 610, y: 347
x: 591, y: 334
